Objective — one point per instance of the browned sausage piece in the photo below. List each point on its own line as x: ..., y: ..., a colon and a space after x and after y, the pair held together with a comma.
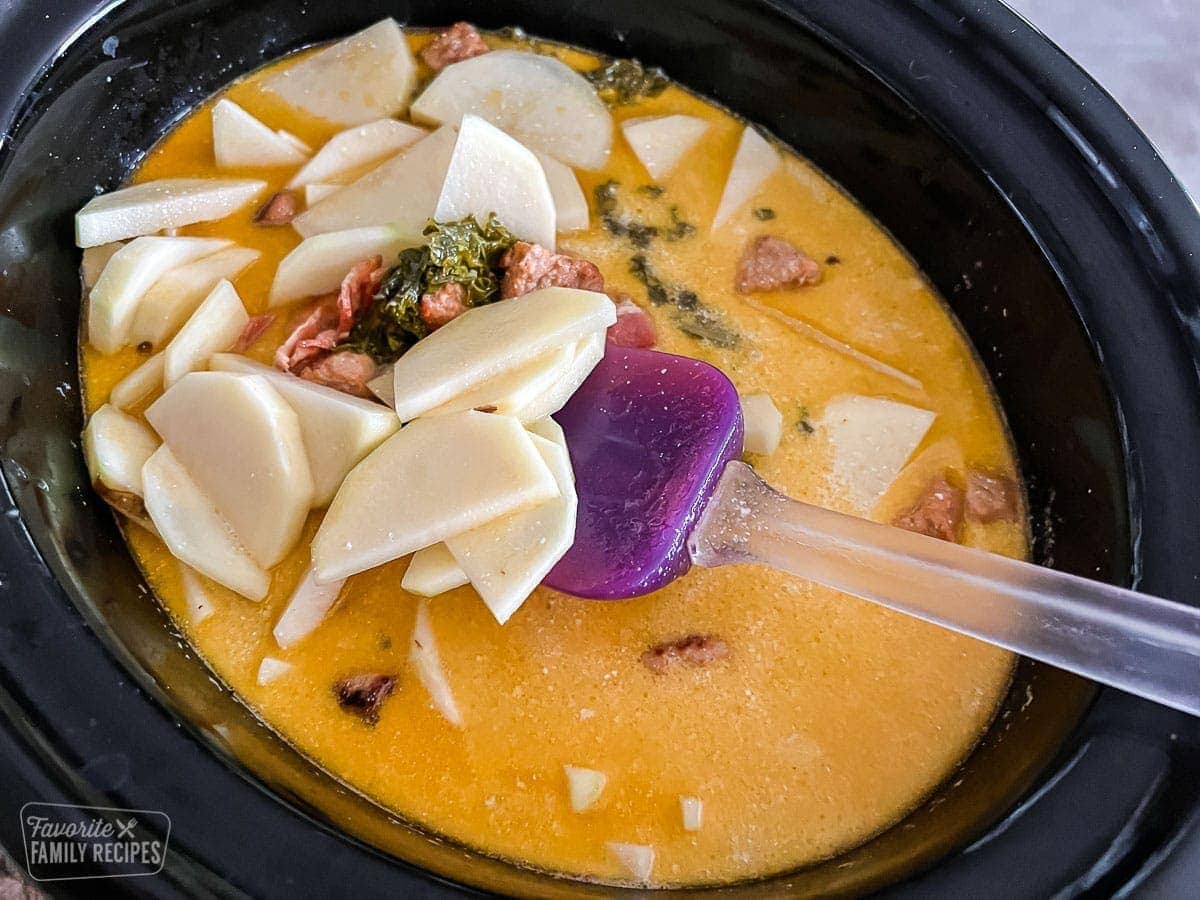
x: 695, y: 650
x: 364, y: 695
x: 531, y: 267
x: 458, y: 42
x: 634, y: 327
x: 772, y: 264
x: 253, y: 331
x: 990, y: 497
x: 279, y: 210
x: 938, y: 513
x: 444, y: 305
x: 347, y: 372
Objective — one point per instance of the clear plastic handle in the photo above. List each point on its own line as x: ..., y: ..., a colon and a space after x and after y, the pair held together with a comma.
x: 1131, y: 641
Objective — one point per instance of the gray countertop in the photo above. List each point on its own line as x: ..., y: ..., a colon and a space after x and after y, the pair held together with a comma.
x: 1146, y: 53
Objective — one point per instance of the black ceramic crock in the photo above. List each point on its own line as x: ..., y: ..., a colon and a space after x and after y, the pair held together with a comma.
x: 1043, y: 215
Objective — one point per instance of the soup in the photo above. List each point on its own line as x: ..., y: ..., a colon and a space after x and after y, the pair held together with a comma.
x: 736, y: 723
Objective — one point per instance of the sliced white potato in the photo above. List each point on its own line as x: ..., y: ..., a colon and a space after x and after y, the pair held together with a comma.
x: 129, y: 274
x: 138, y: 384
x: 383, y: 387
x: 298, y: 144
x: 355, y: 148
x: 241, y: 442
x: 636, y: 859
x: 588, y: 353
x: 152, y: 206
x: 435, y: 478
x: 487, y: 340
x: 508, y: 557
x: 177, y: 293
x: 660, y: 142
x: 433, y: 571
x: 423, y: 654
x: 338, y: 429
x: 570, y: 205
x: 691, y: 810
x: 194, y: 531
x: 116, y: 446
x: 94, y: 261
x: 543, y: 103
x: 402, y: 191
x: 755, y: 161
x: 871, y: 439
x: 214, y: 327
x: 239, y: 139
x: 319, y: 263
x: 512, y: 391
x: 316, y: 192
x: 271, y: 668
x: 310, y: 603
x: 584, y: 787
x: 764, y: 424
x: 364, y: 77
x: 195, y: 594
x: 489, y: 172
x: 549, y: 429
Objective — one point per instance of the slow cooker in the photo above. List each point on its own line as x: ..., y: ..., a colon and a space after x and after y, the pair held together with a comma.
x: 1060, y: 239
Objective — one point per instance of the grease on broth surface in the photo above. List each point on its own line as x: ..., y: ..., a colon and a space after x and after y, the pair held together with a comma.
x: 830, y: 719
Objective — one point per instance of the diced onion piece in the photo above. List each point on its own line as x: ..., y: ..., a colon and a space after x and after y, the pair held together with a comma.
x: 636, y: 859
x: 433, y: 571
x: 116, y: 446
x: 195, y: 594
x: 660, y: 142
x: 692, y: 810
x: 437, y: 477
x: 755, y: 161
x: 153, y: 206
x: 358, y: 79
x: 178, y: 293
x: 871, y: 439
x: 130, y: 273
x: 351, y: 150
x: 423, y: 654
x: 570, y: 205
x: 239, y: 139
x: 309, y: 605
x: 316, y: 192
x: 271, y: 668
x: 94, y: 261
x: 319, y: 264
x: 214, y: 327
x: 194, y: 531
x: 487, y: 340
x: 138, y: 384
x: 764, y: 424
x: 584, y: 786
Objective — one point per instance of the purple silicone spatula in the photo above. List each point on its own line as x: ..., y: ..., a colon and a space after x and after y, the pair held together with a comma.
x: 655, y: 441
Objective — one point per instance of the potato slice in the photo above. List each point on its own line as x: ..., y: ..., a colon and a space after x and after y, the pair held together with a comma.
x: 195, y: 594
x: 239, y: 139
x: 570, y: 206
x: 319, y: 264
x: 178, y: 293
x: 194, y: 531
x: 316, y: 192
x: 588, y: 353
x: 138, y: 384
x: 543, y: 103
x: 637, y: 860
x: 242, y: 443
x: 309, y: 605
x: 506, y: 559
x: 755, y: 161
x: 93, y: 262
x: 129, y: 274
x: 364, y: 77
x: 435, y: 478
x: 510, y: 392
x: 764, y: 424
x: 157, y: 205
x: 116, y: 446
x: 871, y: 439
x: 339, y: 430
x: 402, y: 191
x: 489, y: 172
x: 660, y: 142
x: 354, y: 149
x: 271, y: 668
x: 487, y: 340
x: 433, y: 571
x: 383, y: 387
x: 424, y: 656
x: 213, y: 328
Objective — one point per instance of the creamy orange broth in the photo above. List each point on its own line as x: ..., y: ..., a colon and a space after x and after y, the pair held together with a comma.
x: 831, y: 719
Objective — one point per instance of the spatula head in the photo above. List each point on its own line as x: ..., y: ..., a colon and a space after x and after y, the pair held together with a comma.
x: 649, y: 434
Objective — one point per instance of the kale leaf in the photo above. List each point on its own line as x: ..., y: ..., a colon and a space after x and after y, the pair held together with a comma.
x: 622, y: 81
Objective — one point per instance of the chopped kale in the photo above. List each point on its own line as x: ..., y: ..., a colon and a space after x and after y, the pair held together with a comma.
x: 640, y: 269
x: 621, y: 225
x: 691, y: 315
x: 804, y: 424
x: 764, y: 214
x: 622, y: 81
x: 679, y: 228
x: 832, y: 260
x: 654, y: 191
x: 462, y: 252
